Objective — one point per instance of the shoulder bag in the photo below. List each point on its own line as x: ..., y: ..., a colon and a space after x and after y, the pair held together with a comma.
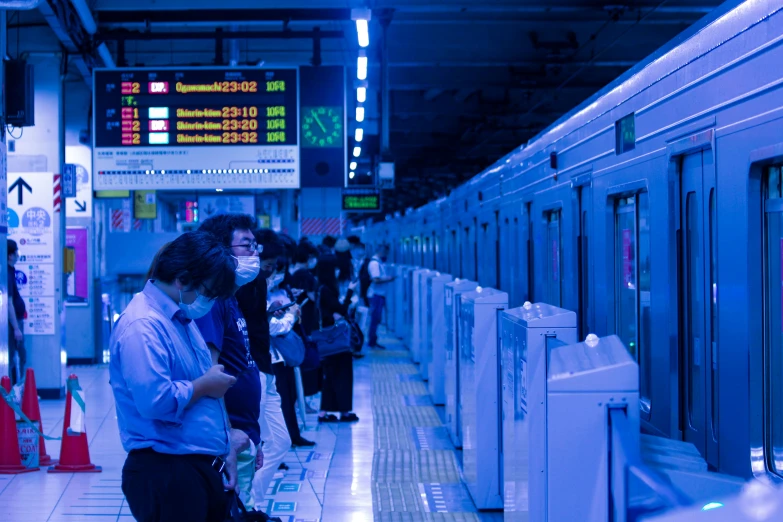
x: 290, y: 346
x: 331, y: 340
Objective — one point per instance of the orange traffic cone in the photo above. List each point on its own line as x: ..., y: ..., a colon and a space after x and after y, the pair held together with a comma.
x: 33, y: 411
x: 10, y: 458
x: 74, y: 451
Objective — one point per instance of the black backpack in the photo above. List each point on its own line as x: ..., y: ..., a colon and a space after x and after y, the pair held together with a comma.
x: 364, y: 278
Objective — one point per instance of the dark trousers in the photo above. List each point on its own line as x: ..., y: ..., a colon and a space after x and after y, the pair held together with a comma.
x: 286, y: 387
x: 377, y: 303
x: 173, y: 488
x: 337, y: 394
x: 16, y: 348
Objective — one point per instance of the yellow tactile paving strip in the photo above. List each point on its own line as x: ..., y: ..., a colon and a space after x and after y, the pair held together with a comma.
x: 405, y: 416
x: 393, y: 438
x: 396, y: 387
x: 399, y: 468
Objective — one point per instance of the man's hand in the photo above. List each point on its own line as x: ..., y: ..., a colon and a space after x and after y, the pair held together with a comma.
x: 18, y: 335
x: 353, y: 284
x: 239, y: 440
x: 259, y: 459
x: 215, y: 383
x: 230, y: 478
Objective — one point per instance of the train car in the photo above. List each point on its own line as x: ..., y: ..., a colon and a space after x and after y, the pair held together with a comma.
x: 655, y: 212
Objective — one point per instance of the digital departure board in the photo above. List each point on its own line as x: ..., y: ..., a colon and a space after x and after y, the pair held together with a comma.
x: 361, y: 200
x: 195, y: 128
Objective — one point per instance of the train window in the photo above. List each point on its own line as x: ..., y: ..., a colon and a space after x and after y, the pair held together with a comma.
x: 773, y: 325
x: 553, y: 287
x: 632, y: 284
x: 529, y: 252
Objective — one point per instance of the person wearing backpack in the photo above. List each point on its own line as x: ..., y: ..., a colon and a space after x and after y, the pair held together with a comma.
x: 377, y: 292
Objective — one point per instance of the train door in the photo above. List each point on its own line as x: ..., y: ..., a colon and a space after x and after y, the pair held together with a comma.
x: 583, y: 259
x: 529, y: 240
x: 437, y: 263
x: 427, y: 255
x: 557, y: 214
x: 773, y: 320
x: 553, y: 285
x: 698, y: 340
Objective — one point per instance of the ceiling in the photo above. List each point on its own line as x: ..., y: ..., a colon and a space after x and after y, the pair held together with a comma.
x: 468, y: 79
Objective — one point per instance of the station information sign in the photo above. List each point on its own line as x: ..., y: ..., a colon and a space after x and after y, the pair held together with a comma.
x: 195, y: 128
x: 361, y: 200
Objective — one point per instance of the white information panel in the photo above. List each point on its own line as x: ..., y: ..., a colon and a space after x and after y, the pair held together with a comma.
x: 30, y: 224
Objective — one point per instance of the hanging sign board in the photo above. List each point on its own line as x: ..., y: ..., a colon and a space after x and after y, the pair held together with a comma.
x: 226, y: 204
x: 31, y: 225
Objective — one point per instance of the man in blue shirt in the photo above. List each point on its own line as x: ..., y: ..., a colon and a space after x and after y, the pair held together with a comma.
x: 168, y: 394
x: 225, y: 331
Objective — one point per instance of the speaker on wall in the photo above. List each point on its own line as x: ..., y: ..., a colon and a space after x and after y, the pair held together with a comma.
x: 19, y: 93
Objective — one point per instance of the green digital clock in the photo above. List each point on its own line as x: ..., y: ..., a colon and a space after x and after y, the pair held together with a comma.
x: 322, y: 127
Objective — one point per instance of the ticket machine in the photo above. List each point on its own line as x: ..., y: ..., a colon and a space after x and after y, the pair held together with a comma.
x: 480, y: 395
x: 434, y: 359
x: 452, y: 298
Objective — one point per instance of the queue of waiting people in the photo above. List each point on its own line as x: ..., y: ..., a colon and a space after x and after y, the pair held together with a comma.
x: 204, y: 362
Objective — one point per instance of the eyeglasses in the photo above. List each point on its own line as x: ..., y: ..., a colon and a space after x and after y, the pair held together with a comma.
x: 253, y: 247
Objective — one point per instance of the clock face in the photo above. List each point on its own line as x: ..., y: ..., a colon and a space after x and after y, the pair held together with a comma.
x: 322, y: 127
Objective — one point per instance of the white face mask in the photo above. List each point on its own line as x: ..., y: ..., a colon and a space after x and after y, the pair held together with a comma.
x: 198, y: 308
x: 247, y: 269
x: 311, y: 264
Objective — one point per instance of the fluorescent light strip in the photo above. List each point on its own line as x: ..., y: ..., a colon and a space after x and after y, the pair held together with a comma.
x: 363, y: 32
x: 361, y: 94
x: 357, y: 151
x: 360, y: 114
x: 361, y: 68
x: 359, y: 135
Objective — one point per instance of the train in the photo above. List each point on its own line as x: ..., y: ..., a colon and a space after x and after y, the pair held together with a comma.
x: 654, y: 211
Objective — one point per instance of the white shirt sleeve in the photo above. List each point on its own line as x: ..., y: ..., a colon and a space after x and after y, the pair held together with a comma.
x: 282, y: 325
x: 374, y: 268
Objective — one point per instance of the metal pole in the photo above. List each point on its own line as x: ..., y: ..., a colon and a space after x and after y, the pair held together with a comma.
x: 385, y: 110
x: 300, y: 397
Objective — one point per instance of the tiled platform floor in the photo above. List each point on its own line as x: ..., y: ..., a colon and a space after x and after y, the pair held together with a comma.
x: 396, y: 464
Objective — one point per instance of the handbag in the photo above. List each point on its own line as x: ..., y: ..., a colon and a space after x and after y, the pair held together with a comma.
x: 331, y: 340
x: 311, y: 359
x: 357, y: 336
x: 291, y: 348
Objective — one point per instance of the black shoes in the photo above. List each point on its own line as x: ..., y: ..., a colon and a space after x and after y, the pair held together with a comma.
x: 283, y: 467
x: 303, y: 443
x: 327, y: 418
x: 349, y: 417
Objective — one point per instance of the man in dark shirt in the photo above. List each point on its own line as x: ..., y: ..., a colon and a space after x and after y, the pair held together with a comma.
x: 16, y: 315
x: 225, y: 331
x: 252, y: 302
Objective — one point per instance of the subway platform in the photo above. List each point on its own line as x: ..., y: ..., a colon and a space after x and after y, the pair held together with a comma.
x: 396, y: 465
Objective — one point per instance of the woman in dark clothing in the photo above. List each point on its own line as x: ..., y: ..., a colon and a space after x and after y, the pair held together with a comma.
x: 337, y: 394
x: 302, y: 278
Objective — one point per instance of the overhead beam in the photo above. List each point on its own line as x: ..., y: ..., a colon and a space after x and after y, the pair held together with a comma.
x: 223, y: 15
x: 64, y: 21
x: 217, y: 35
